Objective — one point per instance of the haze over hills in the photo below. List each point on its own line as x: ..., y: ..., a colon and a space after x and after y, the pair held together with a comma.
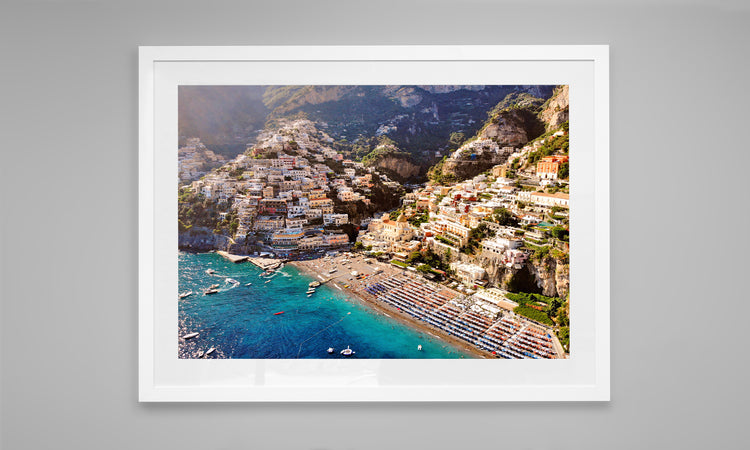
x: 413, y: 125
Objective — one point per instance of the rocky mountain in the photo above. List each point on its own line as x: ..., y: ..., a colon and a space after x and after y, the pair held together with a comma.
x: 555, y: 111
x: 516, y: 120
x: 419, y: 119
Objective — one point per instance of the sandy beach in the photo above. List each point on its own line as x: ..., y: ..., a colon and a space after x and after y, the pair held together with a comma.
x: 342, y: 277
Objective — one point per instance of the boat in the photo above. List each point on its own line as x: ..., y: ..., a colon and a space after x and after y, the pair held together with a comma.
x: 268, y: 281
x: 330, y: 350
x: 190, y: 335
x: 248, y: 284
x: 209, y: 351
x: 314, y: 284
x: 232, y: 280
x: 210, y: 271
x: 419, y: 347
x: 186, y: 294
x: 200, y: 354
x: 210, y: 291
x: 311, y: 291
x: 347, y: 351
x: 309, y: 295
x: 280, y: 312
x: 214, y: 286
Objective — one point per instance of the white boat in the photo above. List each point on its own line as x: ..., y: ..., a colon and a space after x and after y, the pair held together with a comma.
x: 210, y: 350
x: 330, y: 350
x: 210, y: 291
x: 232, y: 280
x: 419, y: 347
x: 314, y: 284
x: 268, y: 281
x: 214, y: 286
x: 190, y: 335
x: 248, y: 284
x: 200, y: 354
x: 210, y: 271
x: 186, y: 294
x: 347, y: 351
x: 311, y: 291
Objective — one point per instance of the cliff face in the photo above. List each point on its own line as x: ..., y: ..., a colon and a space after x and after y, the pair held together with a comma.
x: 509, y: 129
x: 548, y: 277
x: 202, y: 240
x: 462, y: 169
x: 398, y: 165
x: 555, y: 111
x: 552, y: 276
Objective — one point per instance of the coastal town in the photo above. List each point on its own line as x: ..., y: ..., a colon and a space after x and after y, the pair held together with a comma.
x: 459, y: 258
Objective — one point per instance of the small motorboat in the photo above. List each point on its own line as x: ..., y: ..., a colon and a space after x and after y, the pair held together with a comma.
x: 190, y: 336
x: 248, y: 284
x: 211, y: 291
x: 311, y: 291
x: 232, y: 280
x: 347, y: 351
x: 210, y: 271
x: 419, y: 347
x: 268, y: 281
x: 280, y: 312
x: 200, y: 354
x: 186, y: 294
x: 209, y: 351
x: 214, y: 286
x: 314, y: 284
x: 330, y: 350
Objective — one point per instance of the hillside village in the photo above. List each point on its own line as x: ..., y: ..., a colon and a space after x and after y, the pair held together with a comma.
x: 503, y: 230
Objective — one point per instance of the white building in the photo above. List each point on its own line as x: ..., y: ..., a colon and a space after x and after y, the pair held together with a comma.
x: 335, y: 219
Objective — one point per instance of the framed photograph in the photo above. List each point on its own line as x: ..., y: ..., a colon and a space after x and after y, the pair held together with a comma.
x: 406, y: 223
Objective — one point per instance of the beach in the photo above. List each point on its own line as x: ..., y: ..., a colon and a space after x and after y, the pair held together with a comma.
x: 342, y: 279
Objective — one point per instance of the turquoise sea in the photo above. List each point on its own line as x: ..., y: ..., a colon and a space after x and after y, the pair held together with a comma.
x: 240, y: 320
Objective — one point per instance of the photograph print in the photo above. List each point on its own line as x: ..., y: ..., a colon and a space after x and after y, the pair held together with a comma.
x: 373, y: 222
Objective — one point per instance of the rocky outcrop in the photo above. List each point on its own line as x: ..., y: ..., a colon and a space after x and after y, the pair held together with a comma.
x: 461, y: 169
x: 399, y: 165
x: 508, y: 129
x: 202, y: 240
x: 550, y: 277
x: 556, y: 110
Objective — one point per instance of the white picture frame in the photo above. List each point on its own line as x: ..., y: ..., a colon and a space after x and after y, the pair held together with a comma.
x: 585, y: 376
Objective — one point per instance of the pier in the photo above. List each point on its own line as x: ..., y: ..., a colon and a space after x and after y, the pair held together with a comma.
x: 234, y: 258
x: 264, y: 263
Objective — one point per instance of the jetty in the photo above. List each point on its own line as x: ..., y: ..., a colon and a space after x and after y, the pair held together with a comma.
x: 264, y: 262
x: 234, y: 258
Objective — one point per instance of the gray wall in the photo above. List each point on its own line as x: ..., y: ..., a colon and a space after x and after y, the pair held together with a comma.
x: 69, y: 221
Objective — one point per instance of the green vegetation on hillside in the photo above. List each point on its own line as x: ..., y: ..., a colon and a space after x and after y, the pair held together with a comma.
x: 540, y: 308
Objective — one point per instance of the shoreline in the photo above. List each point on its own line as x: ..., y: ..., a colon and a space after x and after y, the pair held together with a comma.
x: 393, y: 313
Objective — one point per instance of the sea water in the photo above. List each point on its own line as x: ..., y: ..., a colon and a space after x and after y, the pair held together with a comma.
x: 240, y: 321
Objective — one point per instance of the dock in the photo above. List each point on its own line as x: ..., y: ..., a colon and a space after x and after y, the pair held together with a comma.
x: 234, y: 258
x: 263, y: 262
